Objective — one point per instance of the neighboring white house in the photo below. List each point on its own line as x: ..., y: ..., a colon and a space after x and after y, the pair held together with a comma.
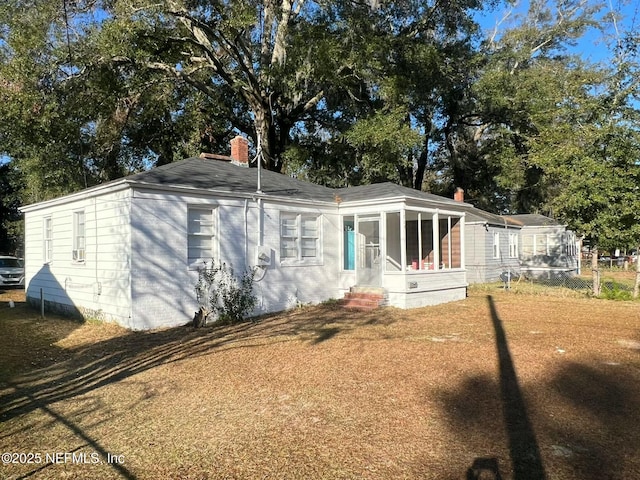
x: 547, y: 248
x: 492, y: 246
x: 499, y: 247
x: 128, y: 250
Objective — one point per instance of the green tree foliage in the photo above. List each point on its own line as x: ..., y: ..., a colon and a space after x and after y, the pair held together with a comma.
x: 11, y: 225
x: 566, y: 139
x: 125, y: 73
x: 340, y: 93
x: 73, y: 118
x: 411, y: 76
x: 522, y: 74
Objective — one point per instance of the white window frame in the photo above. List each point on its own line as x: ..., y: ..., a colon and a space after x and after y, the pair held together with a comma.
x: 513, y: 245
x: 47, y: 239
x: 79, y: 252
x: 496, y: 245
x: 296, y: 241
x: 193, y: 233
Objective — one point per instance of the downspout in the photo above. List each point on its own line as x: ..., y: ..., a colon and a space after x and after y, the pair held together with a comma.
x: 246, y: 233
x: 260, y: 222
x: 95, y: 219
x: 258, y: 159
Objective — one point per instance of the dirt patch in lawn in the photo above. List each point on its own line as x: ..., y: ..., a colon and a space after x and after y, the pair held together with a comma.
x: 530, y: 386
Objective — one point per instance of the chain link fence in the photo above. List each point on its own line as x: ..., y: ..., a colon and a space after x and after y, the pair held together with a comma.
x: 614, y: 282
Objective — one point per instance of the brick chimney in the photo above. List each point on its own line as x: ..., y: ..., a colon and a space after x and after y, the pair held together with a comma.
x: 458, y: 195
x: 240, y: 151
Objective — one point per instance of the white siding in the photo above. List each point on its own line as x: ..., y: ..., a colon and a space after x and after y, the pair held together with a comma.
x: 164, y: 285
x: 99, y: 287
x: 554, y: 253
x: 137, y: 271
x: 480, y: 262
x: 424, y: 289
x: 289, y: 284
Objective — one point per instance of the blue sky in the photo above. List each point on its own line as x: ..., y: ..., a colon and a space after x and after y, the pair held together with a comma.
x: 592, y: 47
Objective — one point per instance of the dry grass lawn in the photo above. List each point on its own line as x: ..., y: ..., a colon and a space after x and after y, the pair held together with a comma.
x: 528, y: 385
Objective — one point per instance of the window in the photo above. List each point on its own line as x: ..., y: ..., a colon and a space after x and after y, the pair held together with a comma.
x: 496, y: 245
x: 47, y: 240
x: 309, y: 237
x: 555, y: 244
x: 201, y: 231
x: 299, y: 237
x: 79, y: 252
x: 513, y: 245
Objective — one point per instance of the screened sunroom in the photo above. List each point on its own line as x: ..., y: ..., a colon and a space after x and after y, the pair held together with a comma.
x: 412, y: 250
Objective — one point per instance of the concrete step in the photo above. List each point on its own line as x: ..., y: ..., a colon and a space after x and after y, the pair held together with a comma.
x: 374, y: 290
x: 364, y: 298
x: 360, y: 304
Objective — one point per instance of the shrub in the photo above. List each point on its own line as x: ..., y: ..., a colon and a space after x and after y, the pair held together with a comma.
x: 223, y: 297
x: 615, y: 291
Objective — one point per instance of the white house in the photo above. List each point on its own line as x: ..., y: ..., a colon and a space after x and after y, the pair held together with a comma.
x: 128, y: 251
x: 492, y: 246
x: 501, y: 246
x: 547, y: 247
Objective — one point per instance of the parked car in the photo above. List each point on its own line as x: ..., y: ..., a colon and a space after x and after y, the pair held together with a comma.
x: 11, y: 271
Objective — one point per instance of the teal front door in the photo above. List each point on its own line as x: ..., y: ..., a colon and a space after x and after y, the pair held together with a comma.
x: 349, y: 250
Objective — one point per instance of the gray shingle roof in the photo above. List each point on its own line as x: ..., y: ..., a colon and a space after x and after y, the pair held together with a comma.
x: 480, y: 216
x: 533, y: 220
x: 226, y: 177
x: 379, y: 191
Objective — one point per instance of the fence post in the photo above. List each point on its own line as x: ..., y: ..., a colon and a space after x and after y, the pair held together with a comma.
x: 595, y: 273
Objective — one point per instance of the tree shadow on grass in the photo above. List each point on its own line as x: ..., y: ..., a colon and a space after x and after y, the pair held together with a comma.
x: 523, y: 446
x: 475, y: 406
x: 583, y: 412
x: 604, y: 402
x: 88, y: 367
x: 112, y: 360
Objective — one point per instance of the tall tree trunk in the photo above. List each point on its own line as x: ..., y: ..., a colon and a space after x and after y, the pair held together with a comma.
x: 266, y: 129
x: 405, y: 173
x: 636, y: 285
x: 422, y: 160
x: 595, y: 273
